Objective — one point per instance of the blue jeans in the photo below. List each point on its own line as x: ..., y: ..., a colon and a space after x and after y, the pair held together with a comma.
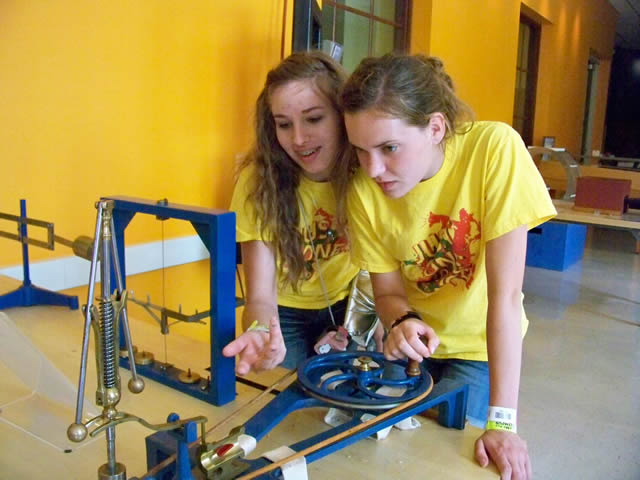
x: 472, y: 372
x: 302, y: 327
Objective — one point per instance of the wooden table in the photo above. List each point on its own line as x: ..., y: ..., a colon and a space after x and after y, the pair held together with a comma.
x: 628, y: 221
x: 431, y: 451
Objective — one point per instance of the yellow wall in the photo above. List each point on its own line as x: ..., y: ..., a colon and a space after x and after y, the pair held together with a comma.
x: 154, y: 98
x: 150, y: 98
x: 478, y: 43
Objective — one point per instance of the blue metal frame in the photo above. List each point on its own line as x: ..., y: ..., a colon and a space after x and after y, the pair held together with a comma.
x: 28, y: 295
x: 217, y: 230
x: 162, y: 445
x: 449, y: 397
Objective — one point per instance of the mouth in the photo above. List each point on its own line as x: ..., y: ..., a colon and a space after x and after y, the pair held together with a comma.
x: 386, y: 186
x: 308, y: 154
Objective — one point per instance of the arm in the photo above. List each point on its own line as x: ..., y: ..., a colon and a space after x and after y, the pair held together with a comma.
x: 392, y: 303
x: 258, y: 349
x: 260, y: 278
x: 505, y: 272
x: 505, y: 258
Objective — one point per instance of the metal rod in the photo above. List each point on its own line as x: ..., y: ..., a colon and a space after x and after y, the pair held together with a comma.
x: 87, y: 317
x: 111, y: 449
x: 105, y: 260
x: 25, y: 246
x: 125, y: 318
x: 107, y: 330
x: 63, y: 241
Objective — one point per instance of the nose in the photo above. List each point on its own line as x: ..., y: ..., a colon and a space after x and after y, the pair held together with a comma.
x: 299, y: 134
x: 372, y: 164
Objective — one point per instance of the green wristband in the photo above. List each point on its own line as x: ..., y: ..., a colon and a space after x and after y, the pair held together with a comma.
x: 504, y: 426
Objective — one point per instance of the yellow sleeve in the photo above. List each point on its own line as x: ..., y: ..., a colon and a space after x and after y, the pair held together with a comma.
x: 515, y: 193
x: 247, y: 222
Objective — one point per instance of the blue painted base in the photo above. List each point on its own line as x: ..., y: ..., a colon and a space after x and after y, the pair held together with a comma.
x: 29, y: 296
x: 555, y: 245
x: 450, y: 398
x: 162, y: 445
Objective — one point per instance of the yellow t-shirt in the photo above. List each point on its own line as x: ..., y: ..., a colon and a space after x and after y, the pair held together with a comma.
x: 331, y: 249
x: 437, y: 233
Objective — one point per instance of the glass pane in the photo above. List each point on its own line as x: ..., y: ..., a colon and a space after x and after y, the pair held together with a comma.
x: 327, y: 22
x: 385, y: 9
x: 383, y: 38
x: 352, y: 31
x: 364, y: 5
x: 526, y: 36
x: 520, y: 42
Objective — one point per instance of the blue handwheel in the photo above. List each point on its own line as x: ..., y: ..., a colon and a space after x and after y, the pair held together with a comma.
x: 356, y: 380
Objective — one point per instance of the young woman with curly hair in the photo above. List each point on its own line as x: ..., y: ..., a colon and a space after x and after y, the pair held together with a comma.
x: 294, y: 249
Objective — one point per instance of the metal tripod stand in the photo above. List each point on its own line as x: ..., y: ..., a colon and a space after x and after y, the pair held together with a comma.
x: 105, y: 320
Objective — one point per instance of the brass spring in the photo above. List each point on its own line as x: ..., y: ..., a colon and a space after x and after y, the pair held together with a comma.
x: 107, y: 335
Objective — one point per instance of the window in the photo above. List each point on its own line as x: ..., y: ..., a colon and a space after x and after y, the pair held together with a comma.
x: 363, y: 27
x: 526, y: 76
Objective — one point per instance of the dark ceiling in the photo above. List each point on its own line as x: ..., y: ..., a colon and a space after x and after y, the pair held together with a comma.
x: 628, y: 28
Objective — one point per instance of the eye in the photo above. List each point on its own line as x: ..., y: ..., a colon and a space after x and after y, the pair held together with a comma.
x: 390, y: 148
x: 315, y: 119
x: 282, y: 125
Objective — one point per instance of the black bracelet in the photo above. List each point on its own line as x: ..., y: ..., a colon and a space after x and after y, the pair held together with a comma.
x: 406, y: 316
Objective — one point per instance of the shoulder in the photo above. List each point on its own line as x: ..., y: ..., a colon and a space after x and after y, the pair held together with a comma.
x: 244, y: 186
x: 361, y: 192
x: 490, y: 131
x: 244, y: 173
x: 361, y: 181
x: 489, y: 139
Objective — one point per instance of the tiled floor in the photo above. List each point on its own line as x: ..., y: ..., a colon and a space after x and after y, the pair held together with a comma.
x: 580, y: 390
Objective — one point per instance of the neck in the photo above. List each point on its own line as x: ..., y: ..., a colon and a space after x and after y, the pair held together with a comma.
x: 436, y: 163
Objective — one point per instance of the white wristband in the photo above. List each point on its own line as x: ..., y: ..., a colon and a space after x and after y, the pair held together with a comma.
x: 502, y: 418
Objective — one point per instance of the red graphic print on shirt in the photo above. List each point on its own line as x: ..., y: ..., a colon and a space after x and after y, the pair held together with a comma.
x: 447, y: 255
x: 323, y: 239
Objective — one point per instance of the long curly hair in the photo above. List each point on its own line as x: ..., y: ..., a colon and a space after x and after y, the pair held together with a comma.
x: 276, y: 176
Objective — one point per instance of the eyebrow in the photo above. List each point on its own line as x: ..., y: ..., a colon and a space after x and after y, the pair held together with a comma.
x: 305, y: 111
x: 386, y: 142
x: 382, y: 144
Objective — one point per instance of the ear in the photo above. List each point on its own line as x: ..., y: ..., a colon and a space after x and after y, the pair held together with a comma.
x: 437, y: 127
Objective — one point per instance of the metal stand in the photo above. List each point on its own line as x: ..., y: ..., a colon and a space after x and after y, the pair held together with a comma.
x: 216, y: 229
x: 450, y: 398
x: 107, y: 321
x: 28, y: 295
